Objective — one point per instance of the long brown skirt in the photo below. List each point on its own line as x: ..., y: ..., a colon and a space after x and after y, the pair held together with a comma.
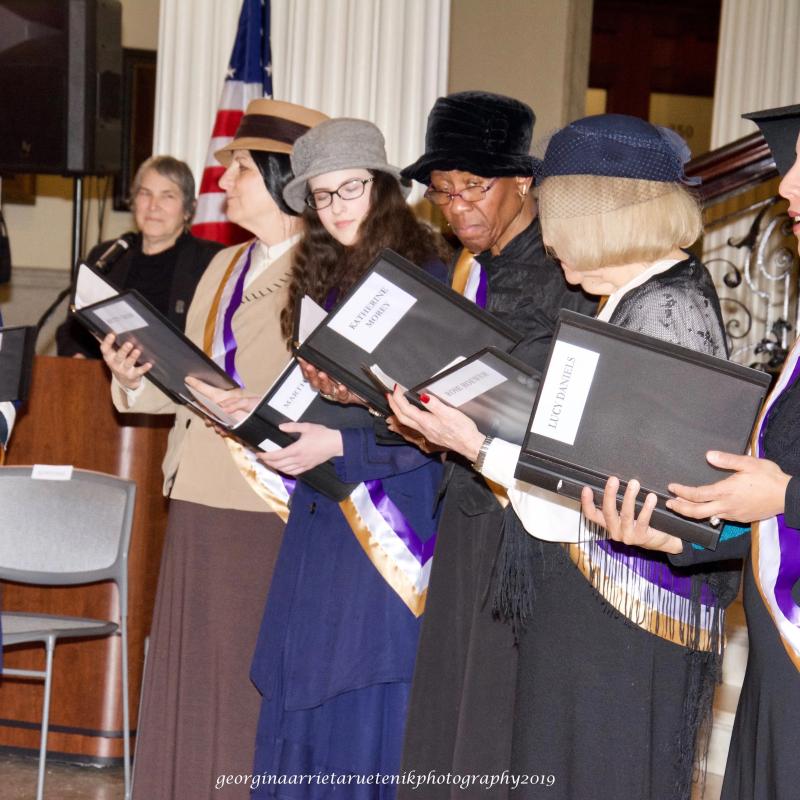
x: 197, y: 722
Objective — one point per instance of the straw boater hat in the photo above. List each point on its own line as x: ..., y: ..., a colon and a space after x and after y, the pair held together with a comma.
x: 271, y: 126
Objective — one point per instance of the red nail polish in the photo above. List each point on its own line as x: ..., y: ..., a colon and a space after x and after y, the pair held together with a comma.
x: 424, y: 398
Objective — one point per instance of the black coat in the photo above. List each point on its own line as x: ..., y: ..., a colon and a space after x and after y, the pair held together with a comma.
x: 192, y: 256
x: 461, y: 709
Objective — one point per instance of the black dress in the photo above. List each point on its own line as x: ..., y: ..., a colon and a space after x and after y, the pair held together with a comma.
x: 462, y: 697
x: 167, y: 279
x: 764, y: 757
x: 608, y: 703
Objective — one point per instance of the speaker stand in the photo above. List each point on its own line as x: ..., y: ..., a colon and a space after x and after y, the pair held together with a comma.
x: 77, y: 224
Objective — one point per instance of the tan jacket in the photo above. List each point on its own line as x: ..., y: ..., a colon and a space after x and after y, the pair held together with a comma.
x: 198, y: 466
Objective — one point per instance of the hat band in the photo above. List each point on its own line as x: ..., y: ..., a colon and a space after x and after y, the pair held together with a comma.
x: 264, y: 126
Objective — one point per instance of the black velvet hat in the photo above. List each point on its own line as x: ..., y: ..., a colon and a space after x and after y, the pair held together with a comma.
x: 780, y: 127
x: 478, y: 132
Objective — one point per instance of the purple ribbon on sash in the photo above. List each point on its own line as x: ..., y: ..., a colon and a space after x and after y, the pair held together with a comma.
x: 228, y: 336
x: 654, y: 571
x: 421, y: 550
x: 480, y: 294
x: 788, y: 538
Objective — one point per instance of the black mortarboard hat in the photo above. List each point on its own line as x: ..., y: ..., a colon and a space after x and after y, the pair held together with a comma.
x: 780, y: 127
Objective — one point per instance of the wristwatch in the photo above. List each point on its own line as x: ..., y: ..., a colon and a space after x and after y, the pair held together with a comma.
x: 477, y: 465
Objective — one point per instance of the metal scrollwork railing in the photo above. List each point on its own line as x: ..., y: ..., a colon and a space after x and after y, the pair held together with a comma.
x: 759, y: 296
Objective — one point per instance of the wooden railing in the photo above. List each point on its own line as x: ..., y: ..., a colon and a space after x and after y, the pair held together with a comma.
x: 732, y: 169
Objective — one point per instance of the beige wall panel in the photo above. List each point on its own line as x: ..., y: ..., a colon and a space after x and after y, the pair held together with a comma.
x: 534, y: 50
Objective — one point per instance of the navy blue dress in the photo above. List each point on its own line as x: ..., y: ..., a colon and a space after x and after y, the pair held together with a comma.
x: 335, y: 655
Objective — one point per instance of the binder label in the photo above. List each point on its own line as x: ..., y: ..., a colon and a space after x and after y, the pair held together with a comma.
x: 372, y: 312
x: 466, y: 384
x: 120, y: 317
x: 293, y: 396
x: 564, y: 392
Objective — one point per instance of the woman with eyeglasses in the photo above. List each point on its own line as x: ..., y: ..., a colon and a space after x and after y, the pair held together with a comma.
x: 335, y: 655
x: 478, y: 171
x: 620, y: 649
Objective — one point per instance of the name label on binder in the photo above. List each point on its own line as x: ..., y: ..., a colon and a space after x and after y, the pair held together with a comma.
x: 120, y: 317
x: 466, y: 384
x: 294, y: 396
x: 372, y: 312
x: 564, y: 392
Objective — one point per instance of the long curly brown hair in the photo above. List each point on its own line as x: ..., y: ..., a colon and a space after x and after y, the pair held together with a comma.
x: 321, y: 263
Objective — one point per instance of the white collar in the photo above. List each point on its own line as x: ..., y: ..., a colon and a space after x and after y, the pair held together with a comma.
x: 264, y: 255
x: 272, y: 252
x: 614, y: 298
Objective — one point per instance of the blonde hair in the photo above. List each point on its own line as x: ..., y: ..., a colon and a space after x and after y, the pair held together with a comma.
x: 594, y: 221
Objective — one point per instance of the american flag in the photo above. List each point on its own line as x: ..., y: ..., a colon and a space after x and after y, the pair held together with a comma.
x: 249, y: 77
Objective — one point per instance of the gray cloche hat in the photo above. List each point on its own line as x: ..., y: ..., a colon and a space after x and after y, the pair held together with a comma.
x: 332, y: 145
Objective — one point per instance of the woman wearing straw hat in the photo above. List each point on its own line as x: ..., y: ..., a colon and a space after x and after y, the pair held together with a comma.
x: 199, y: 709
x: 336, y: 651
x: 620, y: 648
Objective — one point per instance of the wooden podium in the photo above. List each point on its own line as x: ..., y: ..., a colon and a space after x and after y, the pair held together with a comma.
x: 69, y: 419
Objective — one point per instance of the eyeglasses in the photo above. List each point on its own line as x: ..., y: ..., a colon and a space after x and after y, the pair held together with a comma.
x: 349, y: 190
x: 472, y: 194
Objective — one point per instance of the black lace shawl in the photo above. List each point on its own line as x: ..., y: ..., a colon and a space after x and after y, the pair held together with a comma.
x: 679, y: 306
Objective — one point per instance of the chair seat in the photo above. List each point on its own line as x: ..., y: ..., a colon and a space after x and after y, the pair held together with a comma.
x: 22, y: 627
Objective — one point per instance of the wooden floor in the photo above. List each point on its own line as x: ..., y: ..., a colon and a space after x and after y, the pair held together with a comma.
x: 64, y: 781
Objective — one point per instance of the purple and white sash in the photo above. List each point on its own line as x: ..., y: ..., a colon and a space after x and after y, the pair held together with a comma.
x: 476, y: 286
x: 776, y: 546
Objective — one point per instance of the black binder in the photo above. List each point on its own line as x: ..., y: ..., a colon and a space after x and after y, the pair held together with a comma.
x: 280, y: 404
x: 404, y: 321
x: 175, y: 357
x: 494, y: 389
x: 17, y: 346
x: 616, y: 402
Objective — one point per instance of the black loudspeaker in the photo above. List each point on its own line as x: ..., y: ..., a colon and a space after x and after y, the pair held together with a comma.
x: 60, y: 86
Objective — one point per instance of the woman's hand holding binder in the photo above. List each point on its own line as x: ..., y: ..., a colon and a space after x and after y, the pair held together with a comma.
x: 440, y: 425
x: 623, y: 525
